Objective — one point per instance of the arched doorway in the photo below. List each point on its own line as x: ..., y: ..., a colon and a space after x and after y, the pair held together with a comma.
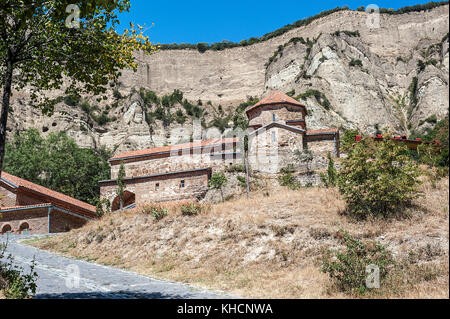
x: 6, y: 229
x: 128, y: 199
x: 24, y: 227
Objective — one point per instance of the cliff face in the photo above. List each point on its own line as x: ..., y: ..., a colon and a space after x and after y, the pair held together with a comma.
x: 394, y: 77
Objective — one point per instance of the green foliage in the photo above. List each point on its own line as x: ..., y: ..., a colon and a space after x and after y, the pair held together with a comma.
x: 180, y: 117
x: 287, y: 179
x: 103, y: 207
x: 58, y: 163
x: 349, y: 33
x: 305, y: 156
x: 378, y: 178
x: 291, y: 93
x: 329, y: 179
x: 191, y: 209
x: 347, y: 268
x: 218, y: 181
x: 433, y: 155
x: 242, y: 181
x: 235, y: 169
x: 117, y: 95
x: 319, y: 96
x: 52, y: 55
x: 157, y: 212
x: 348, y: 139
x: 13, y: 282
x: 72, y: 100
x: 355, y: 62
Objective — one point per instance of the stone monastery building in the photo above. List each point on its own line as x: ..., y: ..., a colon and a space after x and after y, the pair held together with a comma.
x: 277, y: 132
x: 31, y: 208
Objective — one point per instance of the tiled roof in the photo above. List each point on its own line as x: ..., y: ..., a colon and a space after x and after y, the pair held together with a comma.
x: 323, y: 131
x: 48, y: 193
x: 177, y: 147
x: 275, y: 98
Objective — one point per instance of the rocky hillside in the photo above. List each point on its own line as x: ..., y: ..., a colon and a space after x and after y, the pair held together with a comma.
x: 348, y: 73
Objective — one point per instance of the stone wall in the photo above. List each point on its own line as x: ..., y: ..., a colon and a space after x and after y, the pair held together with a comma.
x: 162, y: 188
x: 272, y: 149
x: 322, y: 144
x: 166, y: 163
x: 264, y: 115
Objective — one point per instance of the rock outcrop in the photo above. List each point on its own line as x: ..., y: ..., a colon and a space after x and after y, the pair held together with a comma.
x: 392, y: 77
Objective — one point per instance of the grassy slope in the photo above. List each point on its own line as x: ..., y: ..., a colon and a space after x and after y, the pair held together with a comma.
x: 268, y: 246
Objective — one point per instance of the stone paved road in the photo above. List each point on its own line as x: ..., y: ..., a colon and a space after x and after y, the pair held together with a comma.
x: 56, y: 279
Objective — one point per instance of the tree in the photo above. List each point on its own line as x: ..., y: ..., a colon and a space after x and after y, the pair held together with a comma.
x: 120, y: 184
x: 58, y: 163
x: 305, y: 156
x: 378, y: 178
x: 329, y: 179
x: 47, y: 46
x: 247, y: 185
x: 217, y: 181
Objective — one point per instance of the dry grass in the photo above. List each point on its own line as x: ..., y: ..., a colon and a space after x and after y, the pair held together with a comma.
x: 268, y: 246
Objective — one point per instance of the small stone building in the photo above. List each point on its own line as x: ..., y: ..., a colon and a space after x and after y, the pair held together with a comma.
x: 168, y: 173
x: 31, y: 208
x: 277, y: 131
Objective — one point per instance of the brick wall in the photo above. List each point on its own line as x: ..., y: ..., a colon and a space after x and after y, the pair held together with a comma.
x: 37, y: 220
x: 8, y: 197
x: 322, y: 144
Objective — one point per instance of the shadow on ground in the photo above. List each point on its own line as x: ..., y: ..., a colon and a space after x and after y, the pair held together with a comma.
x: 110, y: 295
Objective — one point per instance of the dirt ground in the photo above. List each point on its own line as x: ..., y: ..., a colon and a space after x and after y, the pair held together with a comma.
x: 269, y: 246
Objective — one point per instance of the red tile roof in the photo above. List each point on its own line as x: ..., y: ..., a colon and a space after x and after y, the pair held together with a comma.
x: 49, y: 194
x: 324, y: 131
x: 275, y: 98
x: 177, y: 147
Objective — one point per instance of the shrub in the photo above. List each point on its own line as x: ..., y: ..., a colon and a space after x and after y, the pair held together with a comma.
x: 348, y: 139
x: 14, y: 283
x: 157, y: 212
x: 72, y: 100
x: 347, y: 268
x: 378, y: 178
x: 191, y: 209
x: 218, y: 181
x: 355, y: 62
x: 287, y: 179
x: 329, y: 179
x: 117, y: 95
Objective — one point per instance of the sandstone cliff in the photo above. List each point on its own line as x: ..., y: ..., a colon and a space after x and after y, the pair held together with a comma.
x: 349, y: 75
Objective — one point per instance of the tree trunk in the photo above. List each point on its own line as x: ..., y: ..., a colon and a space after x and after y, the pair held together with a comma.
x: 246, y: 175
x: 7, y: 86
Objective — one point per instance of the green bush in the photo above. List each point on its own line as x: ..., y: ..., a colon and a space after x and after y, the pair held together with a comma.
x: 378, y: 178
x: 13, y: 282
x: 329, y: 179
x: 355, y: 62
x: 287, y: 179
x: 218, y: 181
x: 347, y: 268
x: 157, y: 212
x: 191, y: 209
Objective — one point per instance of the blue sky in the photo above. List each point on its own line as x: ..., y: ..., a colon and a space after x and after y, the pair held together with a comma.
x: 193, y: 21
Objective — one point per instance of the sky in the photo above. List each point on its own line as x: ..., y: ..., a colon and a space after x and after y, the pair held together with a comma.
x: 194, y: 21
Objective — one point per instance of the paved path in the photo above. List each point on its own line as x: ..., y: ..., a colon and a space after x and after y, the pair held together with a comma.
x: 57, y: 279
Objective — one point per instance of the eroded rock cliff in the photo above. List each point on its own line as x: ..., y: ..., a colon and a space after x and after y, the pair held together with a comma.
x: 348, y: 73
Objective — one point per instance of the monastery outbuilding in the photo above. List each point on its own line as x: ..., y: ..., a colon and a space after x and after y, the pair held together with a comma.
x: 277, y: 132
